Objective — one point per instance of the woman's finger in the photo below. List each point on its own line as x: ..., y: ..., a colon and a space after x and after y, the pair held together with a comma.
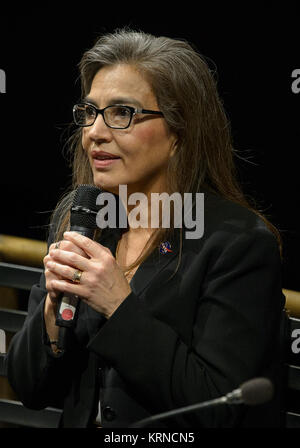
x: 92, y: 248
x: 68, y: 246
x: 63, y: 271
x: 71, y: 288
x: 69, y: 258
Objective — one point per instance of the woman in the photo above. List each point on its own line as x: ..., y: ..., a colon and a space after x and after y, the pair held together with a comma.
x: 157, y: 329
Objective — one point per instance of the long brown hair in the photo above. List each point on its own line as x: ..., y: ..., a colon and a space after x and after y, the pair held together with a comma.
x: 186, y: 93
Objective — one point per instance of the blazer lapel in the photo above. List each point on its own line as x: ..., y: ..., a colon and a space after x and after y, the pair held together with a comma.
x: 154, y: 265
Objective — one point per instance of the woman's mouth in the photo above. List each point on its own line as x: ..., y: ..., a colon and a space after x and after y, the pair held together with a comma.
x: 102, y: 159
x: 101, y: 163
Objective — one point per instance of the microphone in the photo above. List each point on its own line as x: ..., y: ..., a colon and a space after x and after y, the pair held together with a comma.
x: 82, y: 220
x: 253, y: 392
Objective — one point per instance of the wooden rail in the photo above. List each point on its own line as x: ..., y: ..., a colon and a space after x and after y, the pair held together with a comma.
x: 24, y: 251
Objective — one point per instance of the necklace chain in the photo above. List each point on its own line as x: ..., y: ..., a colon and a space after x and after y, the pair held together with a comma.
x: 127, y: 271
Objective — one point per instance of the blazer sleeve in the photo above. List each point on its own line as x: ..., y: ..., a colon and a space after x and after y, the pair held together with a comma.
x: 236, y: 321
x: 38, y: 376
x: 32, y: 368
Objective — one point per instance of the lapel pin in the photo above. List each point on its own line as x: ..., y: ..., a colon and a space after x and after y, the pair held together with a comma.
x: 165, y: 247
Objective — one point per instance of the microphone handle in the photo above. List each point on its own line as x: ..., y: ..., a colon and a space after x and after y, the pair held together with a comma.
x: 68, y: 304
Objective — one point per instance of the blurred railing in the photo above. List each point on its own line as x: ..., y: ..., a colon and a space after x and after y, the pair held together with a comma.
x: 23, y: 251
x: 21, y: 262
x: 292, y: 302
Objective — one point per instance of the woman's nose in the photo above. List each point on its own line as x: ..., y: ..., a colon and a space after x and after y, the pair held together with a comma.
x: 99, y: 130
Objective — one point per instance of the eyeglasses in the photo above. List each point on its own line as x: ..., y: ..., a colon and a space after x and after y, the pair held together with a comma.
x: 116, y: 117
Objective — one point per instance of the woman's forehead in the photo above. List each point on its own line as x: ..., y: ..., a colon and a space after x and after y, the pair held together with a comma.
x: 121, y: 82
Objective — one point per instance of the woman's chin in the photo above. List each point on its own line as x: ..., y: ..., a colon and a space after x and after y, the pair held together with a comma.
x: 112, y: 188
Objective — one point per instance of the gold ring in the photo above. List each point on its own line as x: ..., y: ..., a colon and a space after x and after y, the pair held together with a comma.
x: 57, y: 245
x: 77, y: 276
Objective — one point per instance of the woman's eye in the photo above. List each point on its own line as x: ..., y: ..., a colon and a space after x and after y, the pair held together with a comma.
x: 122, y: 111
x: 89, y: 111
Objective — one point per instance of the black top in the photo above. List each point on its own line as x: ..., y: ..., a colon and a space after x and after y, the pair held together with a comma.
x: 212, y: 326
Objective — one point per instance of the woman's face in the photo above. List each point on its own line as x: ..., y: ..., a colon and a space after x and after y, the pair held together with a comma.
x: 143, y: 149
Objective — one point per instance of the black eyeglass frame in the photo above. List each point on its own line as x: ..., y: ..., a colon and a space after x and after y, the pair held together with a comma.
x: 133, y: 111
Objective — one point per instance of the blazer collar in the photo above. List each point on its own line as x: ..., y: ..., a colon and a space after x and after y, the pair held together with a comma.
x: 155, y: 264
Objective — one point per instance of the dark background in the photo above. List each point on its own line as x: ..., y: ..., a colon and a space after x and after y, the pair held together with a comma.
x: 254, y: 48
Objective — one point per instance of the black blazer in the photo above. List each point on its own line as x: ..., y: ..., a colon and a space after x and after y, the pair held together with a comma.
x: 212, y: 326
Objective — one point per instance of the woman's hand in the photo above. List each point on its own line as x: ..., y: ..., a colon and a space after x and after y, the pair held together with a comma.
x: 50, y: 308
x: 51, y: 275
x: 102, y: 286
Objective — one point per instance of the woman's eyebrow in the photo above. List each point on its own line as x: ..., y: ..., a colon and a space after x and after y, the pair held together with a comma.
x: 86, y: 99
x: 125, y: 100
x: 117, y: 100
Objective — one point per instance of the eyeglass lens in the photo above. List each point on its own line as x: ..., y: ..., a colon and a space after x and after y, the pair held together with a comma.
x: 114, y: 116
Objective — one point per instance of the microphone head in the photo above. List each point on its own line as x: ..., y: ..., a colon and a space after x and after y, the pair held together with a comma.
x: 84, y: 209
x: 257, y: 391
